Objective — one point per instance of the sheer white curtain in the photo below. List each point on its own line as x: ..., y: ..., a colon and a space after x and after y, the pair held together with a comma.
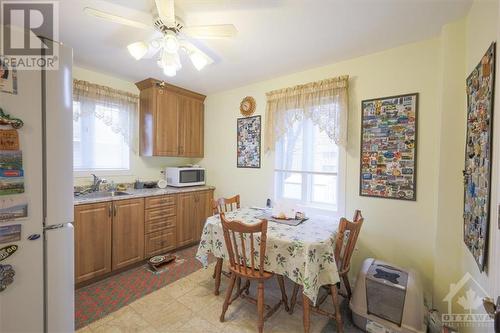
x: 324, y: 102
x: 115, y: 108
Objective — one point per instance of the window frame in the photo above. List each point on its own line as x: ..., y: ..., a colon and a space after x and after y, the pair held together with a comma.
x: 310, y: 207
x: 85, y: 172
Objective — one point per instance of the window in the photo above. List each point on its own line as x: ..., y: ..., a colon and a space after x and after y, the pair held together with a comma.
x: 98, y: 145
x: 308, y: 167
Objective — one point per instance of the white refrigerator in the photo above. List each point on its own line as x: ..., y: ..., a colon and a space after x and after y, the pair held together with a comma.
x: 41, y: 297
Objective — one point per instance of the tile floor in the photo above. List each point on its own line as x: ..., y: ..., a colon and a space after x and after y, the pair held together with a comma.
x: 99, y: 299
x: 189, y: 305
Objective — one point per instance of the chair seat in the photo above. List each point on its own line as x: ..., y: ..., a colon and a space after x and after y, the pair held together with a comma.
x: 250, y: 273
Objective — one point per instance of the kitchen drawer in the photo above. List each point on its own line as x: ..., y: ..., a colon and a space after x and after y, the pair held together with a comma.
x: 160, y: 242
x: 160, y: 223
x: 160, y: 201
x: 159, y: 213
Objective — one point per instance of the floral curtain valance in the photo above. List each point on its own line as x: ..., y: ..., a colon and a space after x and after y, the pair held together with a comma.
x: 324, y: 102
x: 116, y: 108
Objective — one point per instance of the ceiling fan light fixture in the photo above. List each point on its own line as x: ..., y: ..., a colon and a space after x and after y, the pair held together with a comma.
x: 199, y: 60
x: 171, y: 60
x: 155, y: 43
x: 170, y: 42
x: 137, y: 50
x: 170, y: 63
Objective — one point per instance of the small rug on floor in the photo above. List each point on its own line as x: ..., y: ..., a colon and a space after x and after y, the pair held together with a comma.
x: 109, y: 295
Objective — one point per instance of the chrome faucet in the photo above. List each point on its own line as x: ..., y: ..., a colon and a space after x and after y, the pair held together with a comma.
x: 97, y: 183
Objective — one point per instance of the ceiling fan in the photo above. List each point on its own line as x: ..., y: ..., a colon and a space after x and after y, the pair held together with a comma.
x: 173, y: 38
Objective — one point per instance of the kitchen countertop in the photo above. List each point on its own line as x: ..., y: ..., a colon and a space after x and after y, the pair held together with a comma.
x: 142, y: 193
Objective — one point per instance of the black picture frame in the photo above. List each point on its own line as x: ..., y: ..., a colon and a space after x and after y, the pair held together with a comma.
x: 248, y: 142
x: 390, y: 188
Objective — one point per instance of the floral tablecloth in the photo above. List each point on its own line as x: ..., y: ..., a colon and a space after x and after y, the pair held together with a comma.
x: 303, y: 253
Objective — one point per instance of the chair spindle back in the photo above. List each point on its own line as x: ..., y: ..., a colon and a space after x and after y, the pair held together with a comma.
x: 236, y: 235
x: 357, y: 215
x: 224, y: 205
x: 345, y: 248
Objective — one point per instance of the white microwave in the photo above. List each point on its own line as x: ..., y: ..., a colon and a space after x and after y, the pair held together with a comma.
x: 185, y: 176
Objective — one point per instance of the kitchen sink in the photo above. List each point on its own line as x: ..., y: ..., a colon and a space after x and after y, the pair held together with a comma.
x: 96, y: 195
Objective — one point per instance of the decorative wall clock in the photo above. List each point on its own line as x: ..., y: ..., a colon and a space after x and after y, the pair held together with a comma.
x: 247, y: 106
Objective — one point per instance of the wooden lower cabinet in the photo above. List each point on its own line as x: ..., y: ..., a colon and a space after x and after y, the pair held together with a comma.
x: 161, y: 221
x: 192, y: 212
x: 128, y: 232
x: 185, y: 219
x: 203, y: 211
x: 160, y: 242
x: 113, y: 235
x: 92, y: 240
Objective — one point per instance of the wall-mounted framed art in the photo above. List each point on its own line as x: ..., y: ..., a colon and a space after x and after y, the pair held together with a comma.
x: 478, y: 150
x: 388, y: 162
x: 248, y: 142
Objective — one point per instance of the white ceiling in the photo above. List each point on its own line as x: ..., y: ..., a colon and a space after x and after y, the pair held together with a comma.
x: 275, y: 37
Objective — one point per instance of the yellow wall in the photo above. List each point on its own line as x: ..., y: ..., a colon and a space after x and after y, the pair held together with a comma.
x: 463, y: 45
x: 426, y: 234
x: 398, y: 231
x: 449, y: 244
x: 145, y: 168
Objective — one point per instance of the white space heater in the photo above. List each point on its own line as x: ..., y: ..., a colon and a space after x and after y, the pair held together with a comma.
x: 388, y: 299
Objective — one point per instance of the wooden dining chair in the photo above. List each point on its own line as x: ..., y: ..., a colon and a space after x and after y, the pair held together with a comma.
x: 357, y: 215
x: 241, y: 240
x: 346, y: 260
x: 345, y: 242
x: 223, y: 205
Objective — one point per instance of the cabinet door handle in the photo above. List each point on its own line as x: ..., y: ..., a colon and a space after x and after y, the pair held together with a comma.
x: 115, y: 210
x: 110, y: 210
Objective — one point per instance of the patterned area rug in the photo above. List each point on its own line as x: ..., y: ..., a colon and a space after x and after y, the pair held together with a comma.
x: 104, y: 297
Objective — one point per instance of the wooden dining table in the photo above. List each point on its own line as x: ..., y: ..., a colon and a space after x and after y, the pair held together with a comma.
x: 302, y: 253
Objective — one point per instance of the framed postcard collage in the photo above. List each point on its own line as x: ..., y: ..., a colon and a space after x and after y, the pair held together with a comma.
x: 389, y: 147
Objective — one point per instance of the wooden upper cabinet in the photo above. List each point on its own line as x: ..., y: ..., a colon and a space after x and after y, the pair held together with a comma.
x: 171, y: 120
x: 191, y: 119
x: 128, y: 232
x: 167, y: 123
x: 92, y: 240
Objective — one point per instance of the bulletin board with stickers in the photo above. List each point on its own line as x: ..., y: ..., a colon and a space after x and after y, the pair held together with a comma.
x: 478, y: 145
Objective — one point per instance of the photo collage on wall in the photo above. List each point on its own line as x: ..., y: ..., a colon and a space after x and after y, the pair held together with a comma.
x: 248, y: 142
x: 389, y: 147
x: 477, y: 172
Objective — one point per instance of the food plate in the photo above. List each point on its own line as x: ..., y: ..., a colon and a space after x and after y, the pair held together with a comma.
x: 282, y: 218
x: 288, y: 221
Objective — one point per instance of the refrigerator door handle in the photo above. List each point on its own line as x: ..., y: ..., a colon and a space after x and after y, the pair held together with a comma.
x: 56, y: 226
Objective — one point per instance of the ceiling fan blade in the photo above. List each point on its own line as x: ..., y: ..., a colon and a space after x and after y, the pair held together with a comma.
x: 116, y: 19
x: 166, y: 11
x: 211, y: 31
